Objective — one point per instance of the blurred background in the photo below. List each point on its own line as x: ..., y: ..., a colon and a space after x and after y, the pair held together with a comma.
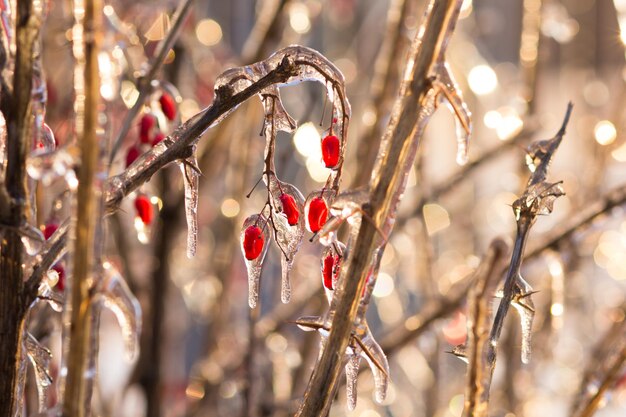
x: 518, y: 63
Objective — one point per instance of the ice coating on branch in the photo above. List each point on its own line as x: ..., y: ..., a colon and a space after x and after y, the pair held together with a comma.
x: 190, y: 180
x: 39, y: 357
x: 307, y: 65
x: 538, y: 199
x: 352, y: 374
x: 255, y: 265
x: 288, y: 237
x: 118, y: 298
x: 525, y: 307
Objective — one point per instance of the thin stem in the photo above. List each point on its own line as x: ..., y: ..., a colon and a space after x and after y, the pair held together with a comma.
x: 86, y: 48
x: 144, y: 83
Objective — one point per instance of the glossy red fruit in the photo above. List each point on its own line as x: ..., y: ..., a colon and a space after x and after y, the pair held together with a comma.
x: 61, y: 272
x: 49, y: 230
x: 290, y: 209
x: 330, y: 151
x: 253, y: 242
x: 330, y: 269
x: 144, y: 209
x: 168, y: 106
x: 132, y: 154
x: 318, y: 214
x: 147, y: 123
x: 158, y: 138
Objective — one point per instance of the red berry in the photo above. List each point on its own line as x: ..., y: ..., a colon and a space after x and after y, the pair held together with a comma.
x: 318, y: 214
x: 147, y: 123
x: 132, y: 154
x: 253, y: 242
x: 143, y: 206
x: 330, y: 269
x: 49, y: 230
x: 168, y: 106
x: 330, y: 151
x: 158, y: 138
x: 61, y: 272
x: 290, y: 209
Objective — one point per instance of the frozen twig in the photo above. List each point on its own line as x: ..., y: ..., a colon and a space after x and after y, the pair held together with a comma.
x: 87, y: 85
x: 144, y: 83
x: 537, y: 199
x: 397, y: 151
x: 602, y: 371
x: 478, y: 321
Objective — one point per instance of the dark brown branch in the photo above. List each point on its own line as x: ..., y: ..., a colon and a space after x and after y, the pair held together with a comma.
x: 16, y: 107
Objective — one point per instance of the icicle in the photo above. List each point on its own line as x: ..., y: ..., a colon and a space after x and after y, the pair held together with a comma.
x: 379, y: 365
x: 448, y: 87
x: 190, y: 179
x: 288, y: 237
x: 525, y: 307
x: 117, y: 297
x: 40, y: 359
x: 352, y: 374
x: 254, y: 238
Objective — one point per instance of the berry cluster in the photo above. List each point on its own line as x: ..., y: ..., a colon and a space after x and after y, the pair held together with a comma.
x: 150, y: 134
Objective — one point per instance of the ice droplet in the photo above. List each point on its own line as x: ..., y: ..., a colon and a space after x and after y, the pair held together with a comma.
x: 254, y: 266
x: 352, y: 374
x: 118, y: 298
x: 39, y: 357
x: 190, y: 179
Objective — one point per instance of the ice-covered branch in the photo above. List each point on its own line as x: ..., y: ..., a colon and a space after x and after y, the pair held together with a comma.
x: 538, y: 198
x: 415, y: 103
